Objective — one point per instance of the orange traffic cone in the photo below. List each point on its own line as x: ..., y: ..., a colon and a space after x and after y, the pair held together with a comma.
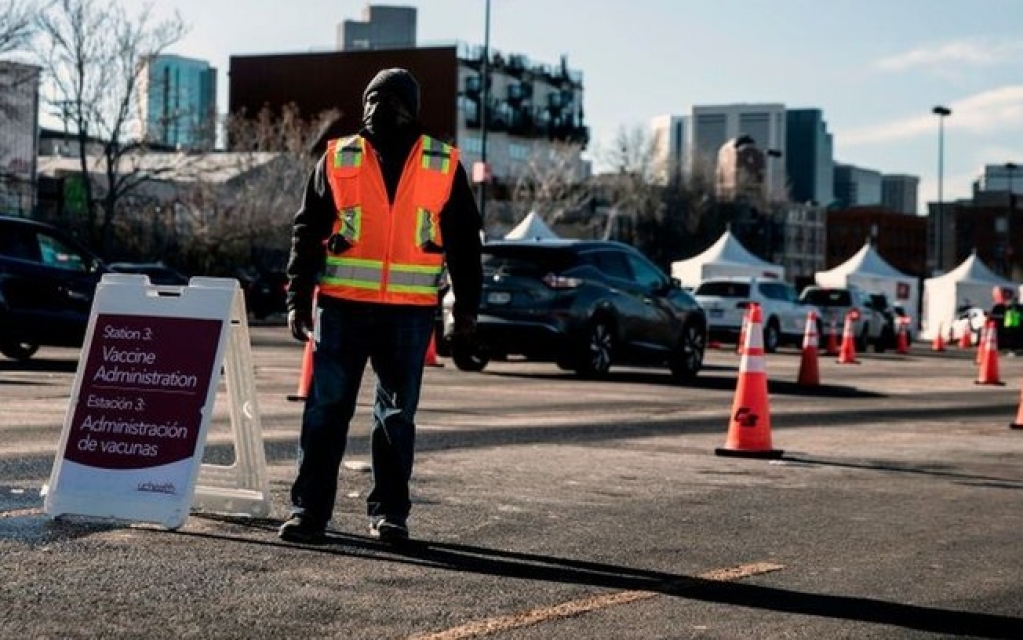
x: 809, y: 372
x: 742, y: 332
x: 902, y: 337
x: 980, y: 346
x: 847, y: 355
x: 305, y: 377
x: 965, y: 340
x: 938, y: 343
x: 832, y: 339
x: 988, y: 373
x: 1018, y: 423
x: 749, y: 430
x: 431, y: 352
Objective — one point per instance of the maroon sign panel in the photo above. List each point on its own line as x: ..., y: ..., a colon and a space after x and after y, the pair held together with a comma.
x: 142, y: 391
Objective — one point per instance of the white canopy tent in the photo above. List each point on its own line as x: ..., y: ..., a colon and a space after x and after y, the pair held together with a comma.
x: 970, y: 284
x: 532, y: 227
x: 726, y: 257
x: 868, y: 271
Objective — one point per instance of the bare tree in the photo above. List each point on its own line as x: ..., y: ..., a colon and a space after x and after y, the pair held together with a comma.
x: 94, y: 55
x: 246, y: 219
x: 633, y: 191
x: 16, y: 24
x: 550, y: 181
x: 658, y: 208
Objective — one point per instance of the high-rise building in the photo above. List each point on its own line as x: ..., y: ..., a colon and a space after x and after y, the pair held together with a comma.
x: 381, y: 27
x: 711, y: 126
x: 809, y: 157
x: 899, y: 193
x: 1001, y: 177
x: 179, y: 102
x: 668, y: 146
x: 19, y: 139
x: 740, y: 170
x: 856, y: 186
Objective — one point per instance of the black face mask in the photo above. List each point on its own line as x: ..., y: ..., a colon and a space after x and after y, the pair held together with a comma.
x: 384, y: 115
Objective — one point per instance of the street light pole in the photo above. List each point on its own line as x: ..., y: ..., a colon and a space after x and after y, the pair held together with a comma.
x: 485, y: 71
x: 941, y: 112
x: 1010, y: 168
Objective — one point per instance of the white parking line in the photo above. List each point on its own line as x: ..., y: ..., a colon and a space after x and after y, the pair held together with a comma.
x: 584, y: 605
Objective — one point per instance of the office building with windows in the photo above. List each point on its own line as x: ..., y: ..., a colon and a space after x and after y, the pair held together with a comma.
x: 711, y: 126
x: 856, y: 186
x: 532, y: 108
x: 19, y: 139
x: 899, y: 193
x: 809, y: 157
x: 179, y: 102
x: 381, y: 27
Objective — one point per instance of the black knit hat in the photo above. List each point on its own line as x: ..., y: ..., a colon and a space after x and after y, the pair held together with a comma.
x: 398, y: 82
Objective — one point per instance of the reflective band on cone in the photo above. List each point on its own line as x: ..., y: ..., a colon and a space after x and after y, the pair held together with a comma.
x: 848, y: 353
x: 809, y: 373
x: 988, y: 373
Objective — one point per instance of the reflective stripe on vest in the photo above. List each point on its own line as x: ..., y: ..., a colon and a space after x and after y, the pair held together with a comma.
x: 436, y: 155
x: 369, y: 274
x: 349, y: 154
x: 426, y: 230
x: 353, y: 272
x: 413, y: 278
x: 351, y: 223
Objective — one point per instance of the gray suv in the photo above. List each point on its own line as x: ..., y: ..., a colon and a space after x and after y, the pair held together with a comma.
x: 584, y: 304
x: 47, y: 282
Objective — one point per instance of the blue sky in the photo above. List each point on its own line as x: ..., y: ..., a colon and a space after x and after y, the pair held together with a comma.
x: 875, y: 67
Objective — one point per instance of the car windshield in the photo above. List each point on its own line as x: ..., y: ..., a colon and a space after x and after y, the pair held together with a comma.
x: 827, y: 297
x: 723, y: 289
x: 524, y: 261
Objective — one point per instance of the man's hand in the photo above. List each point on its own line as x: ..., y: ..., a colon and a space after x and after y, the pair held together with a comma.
x: 300, y: 322
x: 464, y: 331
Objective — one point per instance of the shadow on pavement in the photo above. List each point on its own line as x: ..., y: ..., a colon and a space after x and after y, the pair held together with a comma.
x: 929, y: 470
x: 472, y: 559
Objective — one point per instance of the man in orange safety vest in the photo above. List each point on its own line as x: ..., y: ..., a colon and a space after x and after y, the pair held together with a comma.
x: 384, y: 211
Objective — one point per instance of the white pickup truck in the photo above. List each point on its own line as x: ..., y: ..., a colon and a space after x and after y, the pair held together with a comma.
x: 725, y: 300
x: 868, y: 327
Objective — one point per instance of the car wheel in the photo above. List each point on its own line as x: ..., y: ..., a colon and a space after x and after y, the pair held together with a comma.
x: 19, y: 350
x: 687, y: 360
x: 887, y: 339
x: 469, y: 358
x: 598, y: 351
x: 863, y: 339
x: 772, y: 336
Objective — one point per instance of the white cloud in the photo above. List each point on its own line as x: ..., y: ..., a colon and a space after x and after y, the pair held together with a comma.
x: 963, y: 52
x: 995, y: 111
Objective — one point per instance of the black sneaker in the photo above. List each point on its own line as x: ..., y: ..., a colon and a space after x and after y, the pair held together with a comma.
x: 301, y: 529
x: 389, y: 529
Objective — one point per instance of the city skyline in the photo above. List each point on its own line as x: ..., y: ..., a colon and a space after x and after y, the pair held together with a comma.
x: 875, y: 69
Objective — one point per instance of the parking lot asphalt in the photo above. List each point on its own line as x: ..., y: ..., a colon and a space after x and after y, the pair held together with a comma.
x: 551, y: 507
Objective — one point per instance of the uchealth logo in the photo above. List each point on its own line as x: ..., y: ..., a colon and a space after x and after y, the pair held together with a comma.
x: 157, y: 487
x: 745, y: 417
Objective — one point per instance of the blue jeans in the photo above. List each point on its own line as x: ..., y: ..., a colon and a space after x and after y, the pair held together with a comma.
x: 393, y: 339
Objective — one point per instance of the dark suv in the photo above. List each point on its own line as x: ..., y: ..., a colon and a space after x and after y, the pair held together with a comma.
x: 47, y: 282
x: 585, y: 305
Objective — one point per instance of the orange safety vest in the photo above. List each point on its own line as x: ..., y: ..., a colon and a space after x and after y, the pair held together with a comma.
x: 395, y: 252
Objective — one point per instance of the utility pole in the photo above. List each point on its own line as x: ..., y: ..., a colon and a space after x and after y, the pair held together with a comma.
x: 484, y: 108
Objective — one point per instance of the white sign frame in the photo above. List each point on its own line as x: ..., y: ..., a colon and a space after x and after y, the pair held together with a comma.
x: 160, y: 494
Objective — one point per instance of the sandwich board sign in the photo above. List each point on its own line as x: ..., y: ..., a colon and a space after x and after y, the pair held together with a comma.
x: 142, y: 402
